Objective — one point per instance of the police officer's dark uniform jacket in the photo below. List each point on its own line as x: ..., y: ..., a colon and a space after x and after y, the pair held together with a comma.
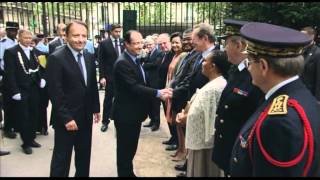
x: 238, y: 101
x: 272, y: 140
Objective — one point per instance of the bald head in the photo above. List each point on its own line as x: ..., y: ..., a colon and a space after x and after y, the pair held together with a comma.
x: 164, y: 42
x: 61, y: 30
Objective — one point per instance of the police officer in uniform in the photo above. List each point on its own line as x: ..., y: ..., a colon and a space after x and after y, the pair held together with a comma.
x: 6, y: 43
x: 238, y: 100
x: 282, y: 137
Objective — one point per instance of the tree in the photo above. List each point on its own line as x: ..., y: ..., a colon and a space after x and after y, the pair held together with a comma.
x: 291, y: 14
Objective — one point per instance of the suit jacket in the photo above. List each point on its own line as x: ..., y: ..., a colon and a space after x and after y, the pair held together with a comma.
x: 238, y: 102
x: 282, y: 137
x: 311, y: 72
x: 151, y: 66
x: 15, y: 79
x: 132, y: 98
x: 187, y: 83
x: 53, y: 45
x: 163, y: 68
x: 71, y: 98
x: 107, y: 56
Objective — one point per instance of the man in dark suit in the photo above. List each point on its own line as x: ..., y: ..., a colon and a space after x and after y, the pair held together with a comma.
x: 282, y: 137
x: 311, y: 72
x: 22, y: 80
x: 73, y: 91
x: 132, y: 101
x: 165, y: 46
x: 239, y: 99
x: 151, y: 65
x: 109, y: 51
x: 60, y: 40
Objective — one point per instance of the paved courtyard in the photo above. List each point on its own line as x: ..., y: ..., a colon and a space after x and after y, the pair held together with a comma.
x: 151, y: 159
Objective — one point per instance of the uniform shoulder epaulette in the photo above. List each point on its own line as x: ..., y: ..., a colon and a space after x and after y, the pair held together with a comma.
x: 3, y: 40
x: 279, y: 105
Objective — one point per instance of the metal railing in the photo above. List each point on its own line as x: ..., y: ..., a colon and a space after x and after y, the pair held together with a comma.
x: 152, y: 17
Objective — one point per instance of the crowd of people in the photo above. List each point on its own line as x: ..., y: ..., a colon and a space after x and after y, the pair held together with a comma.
x: 248, y: 107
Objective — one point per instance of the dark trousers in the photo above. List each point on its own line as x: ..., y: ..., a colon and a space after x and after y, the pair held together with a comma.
x: 127, y: 143
x: 107, y: 103
x: 44, y: 101
x: 64, y: 141
x: 8, y: 112
x: 27, y: 115
x: 172, y: 128
x: 155, y: 112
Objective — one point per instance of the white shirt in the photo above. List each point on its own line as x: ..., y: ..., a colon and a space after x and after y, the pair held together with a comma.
x: 26, y: 50
x: 242, y: 66
x: 278, y: 86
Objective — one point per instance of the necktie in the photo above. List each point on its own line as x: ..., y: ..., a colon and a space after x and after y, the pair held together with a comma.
x: 116, y: 47
x: 197, y: 63
x: 138, y: 64
x: 80, y: 63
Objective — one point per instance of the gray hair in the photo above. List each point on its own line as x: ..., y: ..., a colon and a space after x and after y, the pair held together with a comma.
x: 205, y: 29
x: 286, y: 66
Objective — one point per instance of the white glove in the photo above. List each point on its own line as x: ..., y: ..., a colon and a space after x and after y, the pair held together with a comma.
x: 42, y: 83
x: 17, y: 97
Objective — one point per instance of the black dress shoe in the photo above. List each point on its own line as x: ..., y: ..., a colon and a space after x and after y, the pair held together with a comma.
x: 168, y: 142
x: 171, y: 147
x: 27, y: 149
x: 3, y: 153
x: 44, y: 132
x: 35, y: 144
x: 182, y: 174
x: 148, y: 125
x: 104, y: 127
x: 154, y: 128
x: 10, y: 134
x: 181, y: 167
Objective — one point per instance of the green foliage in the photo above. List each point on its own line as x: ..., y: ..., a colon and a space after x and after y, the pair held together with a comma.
x: 290, y: 14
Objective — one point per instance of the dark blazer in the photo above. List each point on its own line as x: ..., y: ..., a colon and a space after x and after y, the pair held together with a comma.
x: 163, y: 68
x: 238, y: 102
x: 70, y: 97
x: 131, y: 96
x: 181, y: 82
x: 107, y: 56
x: 53, y: 45
x: 15, y: 79
x: 282, y: 137
x: 188, y: 83
x: 151, y: 66
x: 311, y: 72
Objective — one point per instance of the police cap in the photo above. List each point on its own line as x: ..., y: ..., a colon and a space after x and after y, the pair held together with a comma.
x: 232, y: 27
x: 12, y: 25
x: 272, y: 40
x: 40, y: 36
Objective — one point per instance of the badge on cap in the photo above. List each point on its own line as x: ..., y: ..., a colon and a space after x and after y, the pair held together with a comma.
x: 279, y: 105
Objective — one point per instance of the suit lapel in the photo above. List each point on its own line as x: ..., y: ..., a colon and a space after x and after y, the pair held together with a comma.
x: 74, y: 64
x: 138, y: 71
x: 24, y: 57
x: 87, y: 63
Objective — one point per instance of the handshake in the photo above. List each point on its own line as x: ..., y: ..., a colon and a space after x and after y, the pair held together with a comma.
x: 165, y: 93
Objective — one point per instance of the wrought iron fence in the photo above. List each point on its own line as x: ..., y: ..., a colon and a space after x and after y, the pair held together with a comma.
x: 152, y: 17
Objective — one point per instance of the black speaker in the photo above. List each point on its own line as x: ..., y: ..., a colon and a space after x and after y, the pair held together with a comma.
x: 129, y: 20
